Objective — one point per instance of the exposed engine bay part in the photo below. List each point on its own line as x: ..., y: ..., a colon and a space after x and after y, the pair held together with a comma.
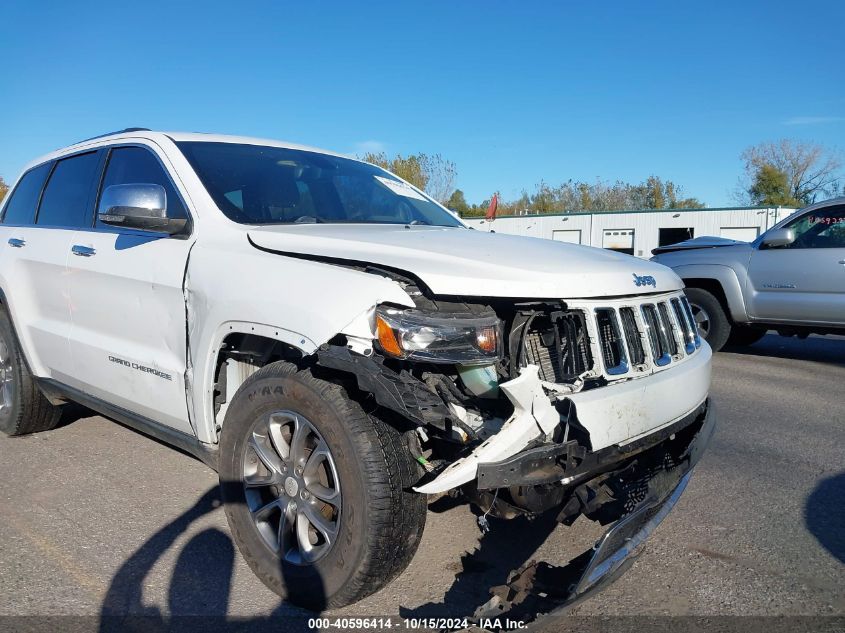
x: 533, y: 417
x: 481, y: 380
x: 397, y: 391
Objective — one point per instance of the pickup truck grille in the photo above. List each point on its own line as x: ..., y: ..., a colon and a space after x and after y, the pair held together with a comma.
x: 628, y: 336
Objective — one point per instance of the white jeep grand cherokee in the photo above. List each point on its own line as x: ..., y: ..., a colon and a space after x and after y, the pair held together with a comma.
x: 338, y: 345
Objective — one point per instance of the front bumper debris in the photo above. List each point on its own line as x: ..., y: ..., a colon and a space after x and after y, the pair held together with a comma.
x: 569, y: 462
x: 533, y: 416
x: 540, y: 588
x: 619, y: 416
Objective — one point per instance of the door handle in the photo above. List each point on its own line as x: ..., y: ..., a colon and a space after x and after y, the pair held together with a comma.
x: 17, y: 243
x: 83, y: 251
x: 841, y: 261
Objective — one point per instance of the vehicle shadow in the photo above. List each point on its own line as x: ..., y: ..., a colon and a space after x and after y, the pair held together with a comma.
x: 824, y: 515
x: 821, y: 349
x: 72, y: 412
x: 507, y: 546
x: 200, y: 587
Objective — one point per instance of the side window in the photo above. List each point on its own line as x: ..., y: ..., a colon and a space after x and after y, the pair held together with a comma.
x: 136, y: 165
x: 824, y: 228
x: 24, y: 199
x: 66, y: 200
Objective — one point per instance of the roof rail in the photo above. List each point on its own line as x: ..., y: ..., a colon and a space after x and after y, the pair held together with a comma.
x: 129, y: 129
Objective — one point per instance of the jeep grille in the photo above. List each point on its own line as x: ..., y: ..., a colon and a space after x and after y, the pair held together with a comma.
x: 627, y: 336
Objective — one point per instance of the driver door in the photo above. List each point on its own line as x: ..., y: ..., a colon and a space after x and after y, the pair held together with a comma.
x: 803, y: 282
x: 128, y: 339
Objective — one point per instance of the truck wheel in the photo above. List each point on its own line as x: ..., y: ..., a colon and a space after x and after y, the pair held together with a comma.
x: 743, y: 335
x: 713, y: 324
x: 316, y: 491
x: 23, y: 408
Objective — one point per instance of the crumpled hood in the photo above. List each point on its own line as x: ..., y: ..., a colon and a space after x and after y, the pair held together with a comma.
x: 698, y: 242
x: 459, y: 261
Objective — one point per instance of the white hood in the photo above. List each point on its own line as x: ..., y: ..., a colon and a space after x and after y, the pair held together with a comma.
x: 459, y: 261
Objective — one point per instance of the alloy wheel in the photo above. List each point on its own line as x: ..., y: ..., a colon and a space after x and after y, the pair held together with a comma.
x: 292, y: 488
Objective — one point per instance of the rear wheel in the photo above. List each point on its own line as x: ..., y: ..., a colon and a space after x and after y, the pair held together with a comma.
x: 710, y: 318
x: 23, y: 408
x: 317, y: 492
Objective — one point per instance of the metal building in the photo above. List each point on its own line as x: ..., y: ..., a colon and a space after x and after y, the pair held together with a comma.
x: 638, y: 232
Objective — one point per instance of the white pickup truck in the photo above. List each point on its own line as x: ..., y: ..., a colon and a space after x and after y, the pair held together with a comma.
x: 337, y: 346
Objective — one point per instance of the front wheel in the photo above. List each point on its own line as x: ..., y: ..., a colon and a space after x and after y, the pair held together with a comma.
x: 710, y: 318
x: 317, y: 492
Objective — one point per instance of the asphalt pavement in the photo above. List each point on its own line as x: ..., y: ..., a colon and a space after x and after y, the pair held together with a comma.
x: 98, y: 519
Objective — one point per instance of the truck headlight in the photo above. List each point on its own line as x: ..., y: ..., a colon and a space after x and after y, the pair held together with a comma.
x: 455, y: 339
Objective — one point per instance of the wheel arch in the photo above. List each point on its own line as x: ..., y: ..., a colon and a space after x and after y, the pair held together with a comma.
x: 4, y: 304
x: 720, y: 281
x: 252, y: 346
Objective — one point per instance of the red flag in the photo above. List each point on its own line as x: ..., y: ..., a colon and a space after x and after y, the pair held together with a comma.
x: 491, y: 210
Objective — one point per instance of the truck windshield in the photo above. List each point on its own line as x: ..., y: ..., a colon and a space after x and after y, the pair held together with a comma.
x: 257, y: 184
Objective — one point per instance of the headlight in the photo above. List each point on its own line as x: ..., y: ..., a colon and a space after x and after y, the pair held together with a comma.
x: 438, y: 339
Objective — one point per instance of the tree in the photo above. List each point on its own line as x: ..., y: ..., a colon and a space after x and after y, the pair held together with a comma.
x: 771, y: 188
x: 458, y: 203
x: 432, y: 173
x: 810, y: 169
x: 3, y: 188
x: 654, y: 193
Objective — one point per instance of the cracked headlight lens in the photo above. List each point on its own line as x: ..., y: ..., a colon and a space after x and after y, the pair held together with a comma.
x: 440, y: 338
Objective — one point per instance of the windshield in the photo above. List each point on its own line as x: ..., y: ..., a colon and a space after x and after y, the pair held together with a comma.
x: 256, y: 184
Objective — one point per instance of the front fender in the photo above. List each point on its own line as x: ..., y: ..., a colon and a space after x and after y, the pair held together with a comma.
x: 231, y: 287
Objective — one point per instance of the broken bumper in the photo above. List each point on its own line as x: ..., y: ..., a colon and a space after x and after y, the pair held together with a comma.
x: 542, y: 588
x: 623, y: 415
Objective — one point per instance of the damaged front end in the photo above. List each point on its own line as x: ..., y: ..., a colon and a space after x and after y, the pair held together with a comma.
x: 596, y: 408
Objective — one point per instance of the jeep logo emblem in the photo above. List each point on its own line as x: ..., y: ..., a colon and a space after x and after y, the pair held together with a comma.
x: 644, y: 280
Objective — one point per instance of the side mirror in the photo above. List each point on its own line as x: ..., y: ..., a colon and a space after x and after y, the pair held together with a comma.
x: 142, y: 207
x: 779, y: 237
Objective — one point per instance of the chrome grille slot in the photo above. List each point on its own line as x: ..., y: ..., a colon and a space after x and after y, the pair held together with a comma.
x: 611, y: 342
x: 688, y: 310
x: 632, y: 334
x: 687, y: 333
x: 559, y: 344
x: 668, y: 328
x: 656, y: 335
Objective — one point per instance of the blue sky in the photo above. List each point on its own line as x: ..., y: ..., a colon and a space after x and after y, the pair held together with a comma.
x: 511, y: 92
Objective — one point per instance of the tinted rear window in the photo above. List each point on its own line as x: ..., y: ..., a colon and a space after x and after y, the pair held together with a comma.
x: 24, y: 199
x: 67, y: 198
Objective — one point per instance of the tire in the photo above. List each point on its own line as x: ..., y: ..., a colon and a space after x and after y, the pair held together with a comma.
x: 744, y: 335
x: 23, y: 408
x: 713, y: 324
x: 377, y: 521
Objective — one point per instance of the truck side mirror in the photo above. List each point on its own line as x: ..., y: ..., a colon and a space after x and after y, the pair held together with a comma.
x: 778, y: 237
x: 138, y: 206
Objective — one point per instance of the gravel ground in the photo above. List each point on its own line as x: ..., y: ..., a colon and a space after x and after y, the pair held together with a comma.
x: 97, y: 519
